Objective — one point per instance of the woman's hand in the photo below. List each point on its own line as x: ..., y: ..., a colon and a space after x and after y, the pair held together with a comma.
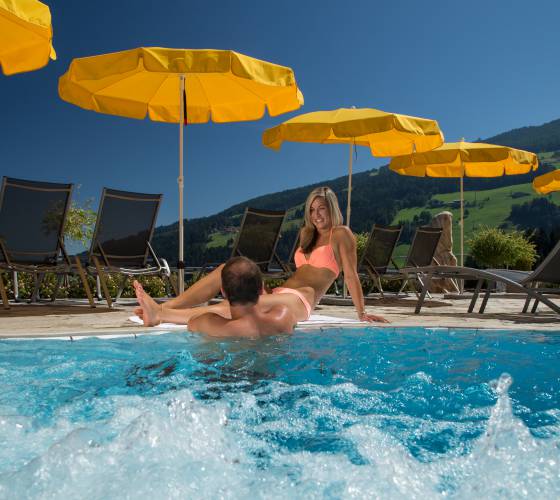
x: 372, y: 318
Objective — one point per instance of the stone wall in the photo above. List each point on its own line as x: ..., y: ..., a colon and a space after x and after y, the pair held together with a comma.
x: 444, y: 252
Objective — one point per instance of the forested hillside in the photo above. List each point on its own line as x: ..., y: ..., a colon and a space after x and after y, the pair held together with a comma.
x: 378, y: 196
x: 538, y: 139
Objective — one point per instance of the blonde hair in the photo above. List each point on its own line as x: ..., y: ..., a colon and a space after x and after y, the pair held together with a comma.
x: 308, y: 235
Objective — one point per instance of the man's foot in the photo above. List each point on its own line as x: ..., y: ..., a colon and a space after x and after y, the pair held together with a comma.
x: 150, y: 309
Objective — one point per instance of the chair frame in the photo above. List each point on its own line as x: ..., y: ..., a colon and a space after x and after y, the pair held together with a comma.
x: 521, y: 281
x: 99, y: 263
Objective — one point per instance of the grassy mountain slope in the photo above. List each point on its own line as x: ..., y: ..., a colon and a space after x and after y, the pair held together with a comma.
x: 378, y: 196
x: 490, y: 207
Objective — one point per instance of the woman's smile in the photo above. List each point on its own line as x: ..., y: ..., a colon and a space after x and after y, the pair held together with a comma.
x: 319, y: 213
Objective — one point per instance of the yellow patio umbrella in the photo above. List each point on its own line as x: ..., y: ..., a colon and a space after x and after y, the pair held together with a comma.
x: 25, y: 36
x: 547, y: 183
x: 466, y: 159
x: 386, y: 134
x: 181, y: 86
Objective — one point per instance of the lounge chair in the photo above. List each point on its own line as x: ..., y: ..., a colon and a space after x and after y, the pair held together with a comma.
x: 420, y: 254
x: 524, y: 282
x: 258, y: 236
x: 32, y: 217
x: 121, y: 240
x: 286, y: 268
x: 378, y: 254
x: 257, y: 239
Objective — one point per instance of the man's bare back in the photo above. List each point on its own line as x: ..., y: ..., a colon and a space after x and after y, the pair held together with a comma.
x: 246, y: 322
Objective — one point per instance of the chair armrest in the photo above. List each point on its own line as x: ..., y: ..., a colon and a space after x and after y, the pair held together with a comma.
x: 4, y: 251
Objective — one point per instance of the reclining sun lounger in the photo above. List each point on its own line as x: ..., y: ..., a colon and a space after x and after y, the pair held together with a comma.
x: 121, y: 240
x: 528, y: 283
x: 378, y: 254
x: 421, y: 253
x: 32, y: 217
x: 257, y: 239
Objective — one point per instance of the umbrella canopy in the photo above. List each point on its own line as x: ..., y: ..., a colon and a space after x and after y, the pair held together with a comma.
x: 180, y: 86
x: 25, y: 36
x: 220, y: 85
x: 466, y: 159
x: 386, y: 134
x: 547, y: 183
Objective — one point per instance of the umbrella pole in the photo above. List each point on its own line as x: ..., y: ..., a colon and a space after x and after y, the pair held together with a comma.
x: 180, y: 182
x: 462, y: 282
x: 348, y: 205
x: 462, y: 222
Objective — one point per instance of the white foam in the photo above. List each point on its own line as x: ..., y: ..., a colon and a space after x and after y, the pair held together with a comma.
x: 174, y: 446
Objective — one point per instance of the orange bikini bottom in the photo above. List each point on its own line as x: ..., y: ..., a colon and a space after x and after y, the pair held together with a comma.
x: 300, y: 295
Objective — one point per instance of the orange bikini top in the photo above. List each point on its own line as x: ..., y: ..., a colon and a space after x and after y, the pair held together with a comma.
x: 322, y: 257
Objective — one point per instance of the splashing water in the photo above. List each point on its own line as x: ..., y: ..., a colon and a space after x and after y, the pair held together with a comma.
x: 408, y: 413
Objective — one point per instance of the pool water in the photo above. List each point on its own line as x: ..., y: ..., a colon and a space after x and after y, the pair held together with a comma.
x: 338, y: 413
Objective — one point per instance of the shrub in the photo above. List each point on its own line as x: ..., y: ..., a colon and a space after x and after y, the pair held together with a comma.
x: 492, y: 247
x: 361, y: 241
x: 72, y: 286
x: 80, y: 221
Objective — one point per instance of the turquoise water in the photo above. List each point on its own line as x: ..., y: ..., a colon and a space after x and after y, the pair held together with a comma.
x: 353, y: 413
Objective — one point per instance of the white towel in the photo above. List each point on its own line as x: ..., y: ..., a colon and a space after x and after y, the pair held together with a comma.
x: 315, y: 319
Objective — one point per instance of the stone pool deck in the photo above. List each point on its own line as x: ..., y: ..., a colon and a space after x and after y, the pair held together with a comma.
x: 71, y: 318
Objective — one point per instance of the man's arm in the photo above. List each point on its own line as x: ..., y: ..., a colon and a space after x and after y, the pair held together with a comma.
x: 217, y: 326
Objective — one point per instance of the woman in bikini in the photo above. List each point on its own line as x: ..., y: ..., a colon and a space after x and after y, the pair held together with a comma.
x: 327, y: 247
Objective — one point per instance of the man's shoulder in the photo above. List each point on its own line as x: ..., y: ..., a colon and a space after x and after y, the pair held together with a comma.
x: 218, y: 326
x: 281, y: 318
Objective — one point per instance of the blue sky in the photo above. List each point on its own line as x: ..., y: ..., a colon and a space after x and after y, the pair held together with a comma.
x: 478, y: 67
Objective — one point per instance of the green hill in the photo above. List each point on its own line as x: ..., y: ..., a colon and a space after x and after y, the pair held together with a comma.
x: 379, y: 196
x: 538, y: 139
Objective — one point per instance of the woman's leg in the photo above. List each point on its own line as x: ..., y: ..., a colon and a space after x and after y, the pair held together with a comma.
x: 154, y: 314
x: 202, y: 291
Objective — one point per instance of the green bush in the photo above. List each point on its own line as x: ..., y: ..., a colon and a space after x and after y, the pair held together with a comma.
x: 72, y: 286
x: 361, y: 242
x: 492, y: 247
x: 80, y: 221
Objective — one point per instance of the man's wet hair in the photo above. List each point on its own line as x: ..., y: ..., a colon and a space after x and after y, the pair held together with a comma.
x: 241, y: 281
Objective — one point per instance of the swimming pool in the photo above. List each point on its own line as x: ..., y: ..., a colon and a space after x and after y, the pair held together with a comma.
x: 339, y: 413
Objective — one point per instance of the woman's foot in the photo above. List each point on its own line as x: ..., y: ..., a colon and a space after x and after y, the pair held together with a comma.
x: 150, y: 309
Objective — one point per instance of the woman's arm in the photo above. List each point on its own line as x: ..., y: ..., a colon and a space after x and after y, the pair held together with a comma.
x: 346, y: 243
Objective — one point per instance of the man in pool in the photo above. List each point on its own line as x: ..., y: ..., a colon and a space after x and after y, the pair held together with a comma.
x: 240, y: 316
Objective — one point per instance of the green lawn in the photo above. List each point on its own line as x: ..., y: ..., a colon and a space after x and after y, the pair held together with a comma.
x: 219, y: 239
x: 482, y: 208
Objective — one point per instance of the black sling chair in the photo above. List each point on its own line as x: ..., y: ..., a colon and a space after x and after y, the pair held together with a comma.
x: 32, y: 218
x: 121, y: 240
